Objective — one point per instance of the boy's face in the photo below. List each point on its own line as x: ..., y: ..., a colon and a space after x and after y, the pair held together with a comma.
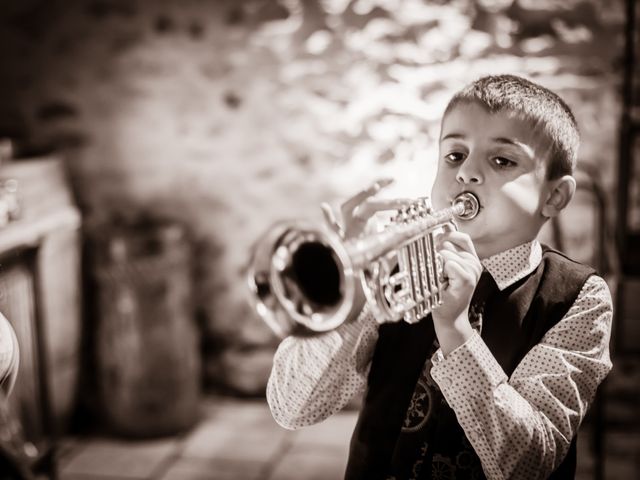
x: 500, y: 159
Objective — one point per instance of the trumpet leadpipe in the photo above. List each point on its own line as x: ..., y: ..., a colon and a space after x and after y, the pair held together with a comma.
x: 363, y: 251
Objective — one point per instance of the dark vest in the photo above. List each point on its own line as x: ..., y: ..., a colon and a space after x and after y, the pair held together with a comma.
x: 515, y: 320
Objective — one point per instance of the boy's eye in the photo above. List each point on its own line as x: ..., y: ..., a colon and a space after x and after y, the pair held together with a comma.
x: 454, y: 157
x: 503, y: 162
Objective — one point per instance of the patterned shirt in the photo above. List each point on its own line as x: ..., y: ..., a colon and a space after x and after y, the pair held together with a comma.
x: 9, y: 356
x: 520, y: 427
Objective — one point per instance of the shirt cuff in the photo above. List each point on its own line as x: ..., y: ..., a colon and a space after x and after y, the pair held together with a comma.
x: 470, y: 369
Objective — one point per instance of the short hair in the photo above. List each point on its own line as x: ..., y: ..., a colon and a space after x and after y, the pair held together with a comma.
x: 546, y: 111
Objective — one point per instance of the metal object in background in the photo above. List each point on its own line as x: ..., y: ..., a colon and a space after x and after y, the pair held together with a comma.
x: 9, y: 199
x: 306, y: 278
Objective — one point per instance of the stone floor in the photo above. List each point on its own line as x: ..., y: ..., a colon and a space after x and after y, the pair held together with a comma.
x: 235, y: 440
x: 238, y: 440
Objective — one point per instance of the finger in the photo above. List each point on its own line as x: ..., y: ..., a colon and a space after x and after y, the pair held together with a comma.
x: 457, y: 275
x: 331, y: 218
x: 447, y: 245
x: 461, y: 240
x: 457, y: 272
x: 371, y: 206
x: 452, y: 247
x: 449, y: 227
x: 466, y: 260
x: 358, y: 198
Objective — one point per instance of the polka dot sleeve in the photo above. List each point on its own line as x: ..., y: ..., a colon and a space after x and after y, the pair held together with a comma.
x: 521, y: 427
x: 9, y: 356
x: 315, y: 377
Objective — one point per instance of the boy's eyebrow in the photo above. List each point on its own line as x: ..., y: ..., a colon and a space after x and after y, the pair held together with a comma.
x: 516, y: 143
x: 505, y: 140
x: 453, y: 135
x: 508, y: 141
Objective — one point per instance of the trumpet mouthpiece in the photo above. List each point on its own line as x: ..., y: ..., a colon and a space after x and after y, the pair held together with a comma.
x: 469, y: 205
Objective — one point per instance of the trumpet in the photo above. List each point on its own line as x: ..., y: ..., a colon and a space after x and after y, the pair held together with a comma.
x: 305, y: 279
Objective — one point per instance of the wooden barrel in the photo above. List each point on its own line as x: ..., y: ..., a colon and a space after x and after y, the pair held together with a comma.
x: 147, y: 345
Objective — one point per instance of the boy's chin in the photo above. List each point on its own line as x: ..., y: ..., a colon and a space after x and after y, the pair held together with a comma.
x: 466, y: 226
x: 473, y: 229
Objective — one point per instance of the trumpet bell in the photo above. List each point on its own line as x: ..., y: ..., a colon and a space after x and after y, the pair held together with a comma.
x: 302, y: 279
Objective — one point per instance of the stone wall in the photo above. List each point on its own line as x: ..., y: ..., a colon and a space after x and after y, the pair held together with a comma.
x: 228, y: 115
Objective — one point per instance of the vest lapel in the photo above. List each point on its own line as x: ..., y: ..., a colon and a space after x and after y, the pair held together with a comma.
x: 504, y: 313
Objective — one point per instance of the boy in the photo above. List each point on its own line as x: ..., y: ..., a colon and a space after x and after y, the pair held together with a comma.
x: 495, y: 382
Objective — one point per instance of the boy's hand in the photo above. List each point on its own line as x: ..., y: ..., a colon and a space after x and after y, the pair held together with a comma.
x: 350, y: 218
x: 462, y: 270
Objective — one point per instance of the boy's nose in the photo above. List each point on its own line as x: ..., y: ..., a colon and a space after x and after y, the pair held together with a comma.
x: 469, y: 172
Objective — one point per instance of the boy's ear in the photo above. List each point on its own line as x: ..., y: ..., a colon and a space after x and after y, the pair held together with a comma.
x: 560, y: 194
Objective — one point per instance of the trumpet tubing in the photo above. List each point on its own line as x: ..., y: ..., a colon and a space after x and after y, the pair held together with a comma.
x: 304, y: 278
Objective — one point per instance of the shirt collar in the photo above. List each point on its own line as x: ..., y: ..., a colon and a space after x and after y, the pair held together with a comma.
x: 511, y: 265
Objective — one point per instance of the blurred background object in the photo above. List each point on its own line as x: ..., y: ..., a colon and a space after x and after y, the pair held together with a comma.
x: 122, y: 117
x: 145, y: 343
